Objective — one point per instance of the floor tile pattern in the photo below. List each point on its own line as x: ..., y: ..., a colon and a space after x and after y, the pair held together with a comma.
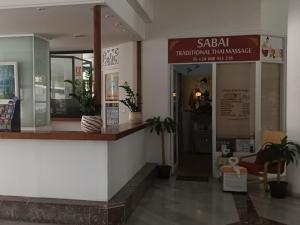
x: 248, y: 213
x: 171, y: 202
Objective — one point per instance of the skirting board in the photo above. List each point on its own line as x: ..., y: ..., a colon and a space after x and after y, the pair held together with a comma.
x: 60, y: 211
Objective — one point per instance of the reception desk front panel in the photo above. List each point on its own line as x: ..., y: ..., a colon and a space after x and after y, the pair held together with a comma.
x: 55, y: 165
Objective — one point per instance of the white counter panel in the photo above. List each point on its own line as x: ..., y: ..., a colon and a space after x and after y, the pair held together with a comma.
x: 54, y: 169
x: 125, y: 158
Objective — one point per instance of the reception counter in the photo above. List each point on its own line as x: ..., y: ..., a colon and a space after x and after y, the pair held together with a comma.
x: 69, y: 166
x: 107, y: 134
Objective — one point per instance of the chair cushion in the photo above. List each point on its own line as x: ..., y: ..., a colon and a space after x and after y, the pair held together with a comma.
x: 255, y: 168
x: 252, y: 168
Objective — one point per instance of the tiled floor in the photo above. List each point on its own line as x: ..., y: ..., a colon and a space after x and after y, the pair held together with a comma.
x: 203, y: 203
x: 185, y: 203
x: 285, y: 210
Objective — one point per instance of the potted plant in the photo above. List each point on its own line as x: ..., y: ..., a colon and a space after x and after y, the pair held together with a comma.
x: 285, y: 152
x: 132, y: 103
x: 160, y: 127
x: 91, y: 121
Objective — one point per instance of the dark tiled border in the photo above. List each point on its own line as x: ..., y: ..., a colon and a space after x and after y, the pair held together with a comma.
x: 60, y: 211
x: 247, y: 212
x: 52, y: 213
x: 134, y: 190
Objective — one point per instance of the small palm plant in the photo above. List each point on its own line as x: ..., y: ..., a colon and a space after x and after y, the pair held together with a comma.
x: 91, y: 121
x: 285, y: 152
x: 160, y: 127
x: 131, y: 99
x: 82, y: 92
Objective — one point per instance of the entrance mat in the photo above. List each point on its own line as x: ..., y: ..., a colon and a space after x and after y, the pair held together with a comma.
x: 193, y: 178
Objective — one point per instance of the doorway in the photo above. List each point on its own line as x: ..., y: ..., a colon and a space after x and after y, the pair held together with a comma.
x: 192, y: 111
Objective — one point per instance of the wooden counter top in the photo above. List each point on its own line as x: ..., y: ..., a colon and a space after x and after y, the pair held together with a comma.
x: 107, y: 134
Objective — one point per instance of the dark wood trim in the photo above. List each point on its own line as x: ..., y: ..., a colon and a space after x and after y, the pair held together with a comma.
x: 97, y: 54
x: 50, y: 81
x: 72, y: 52
x: 139, y: 71
x: 73, y: 74
x: 66, y: 119
x: 107, y: 134
x: 69, y: 57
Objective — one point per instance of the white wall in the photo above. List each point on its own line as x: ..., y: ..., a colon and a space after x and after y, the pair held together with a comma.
x: 173, y: 18
x: 274, y: 16
x: 54, y: 169
x: 293, y: 81
x: 125, y: 157
x: 155, y: 86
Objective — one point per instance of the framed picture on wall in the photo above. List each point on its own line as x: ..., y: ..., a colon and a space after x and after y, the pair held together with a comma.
x: 112, y: 86
x: 9, y: 83
x: 272, y: 48
x: 112, y: 114
x: 242, y: 145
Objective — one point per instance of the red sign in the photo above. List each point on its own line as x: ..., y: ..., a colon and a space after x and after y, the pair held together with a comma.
x: 214, y: 49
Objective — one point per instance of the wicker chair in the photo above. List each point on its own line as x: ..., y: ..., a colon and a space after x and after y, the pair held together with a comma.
x: 262, y: 169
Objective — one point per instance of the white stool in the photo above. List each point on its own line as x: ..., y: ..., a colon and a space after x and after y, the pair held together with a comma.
x: 233, y: 180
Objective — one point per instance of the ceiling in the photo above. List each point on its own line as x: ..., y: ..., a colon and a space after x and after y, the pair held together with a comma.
x: 60, y: 24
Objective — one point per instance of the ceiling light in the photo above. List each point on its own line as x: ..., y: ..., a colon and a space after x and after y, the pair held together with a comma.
x: 198, y: 94
x: 107, y: 16
x: 78, y: 35
x: 40, y: 9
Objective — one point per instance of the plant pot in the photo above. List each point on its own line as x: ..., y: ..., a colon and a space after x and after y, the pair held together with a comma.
x: 278, y: 189
x: 164, y: 171
x: 135, y: 117
x: 91, y: 124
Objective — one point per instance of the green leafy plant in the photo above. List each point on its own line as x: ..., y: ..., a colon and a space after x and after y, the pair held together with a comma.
x: 160, y: 126
x: 131, y: 99
x: 286, y: 151
x: 82, y: 92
